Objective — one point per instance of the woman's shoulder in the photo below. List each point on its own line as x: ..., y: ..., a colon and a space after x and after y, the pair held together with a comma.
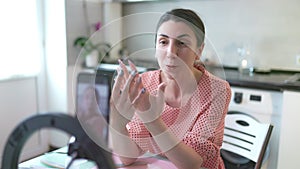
x: 217, y: 80
x: 213, y: 80
x: 214, y: 86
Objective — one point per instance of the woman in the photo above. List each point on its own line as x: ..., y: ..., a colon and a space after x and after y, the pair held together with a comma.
x: 177, y: 111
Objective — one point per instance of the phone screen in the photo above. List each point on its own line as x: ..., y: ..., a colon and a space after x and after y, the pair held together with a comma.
x: 95, y: 86
x: 92, y: 99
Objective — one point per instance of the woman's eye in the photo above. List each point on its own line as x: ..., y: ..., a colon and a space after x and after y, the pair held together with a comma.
x: 162, y: 42
x: 182, y: 44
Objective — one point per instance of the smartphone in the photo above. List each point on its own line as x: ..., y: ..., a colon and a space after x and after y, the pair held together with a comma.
x: 100, y: 83
x: 92, y: 97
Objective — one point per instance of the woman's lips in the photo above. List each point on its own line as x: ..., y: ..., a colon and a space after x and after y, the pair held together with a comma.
x: 170, y: 67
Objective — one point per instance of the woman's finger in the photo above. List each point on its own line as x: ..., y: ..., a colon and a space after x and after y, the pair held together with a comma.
x: 132, y: 66
x: 124, y: 68
x: 137, y: 82
x: 160, y: 94
x: 141, y: 102
x: 117, y: 89
x: 138, y: 98
x: 134, y: 88
x: 129, y: 81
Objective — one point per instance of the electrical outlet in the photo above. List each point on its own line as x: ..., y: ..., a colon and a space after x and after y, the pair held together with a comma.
x: 298, y: 60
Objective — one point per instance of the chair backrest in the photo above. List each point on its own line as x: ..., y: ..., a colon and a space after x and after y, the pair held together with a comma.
x: 245, y: 136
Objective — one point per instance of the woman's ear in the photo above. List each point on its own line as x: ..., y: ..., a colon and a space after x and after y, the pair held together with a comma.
x: 199, y: 51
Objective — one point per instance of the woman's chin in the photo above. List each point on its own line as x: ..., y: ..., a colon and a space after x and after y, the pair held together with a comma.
x: 169, y: 74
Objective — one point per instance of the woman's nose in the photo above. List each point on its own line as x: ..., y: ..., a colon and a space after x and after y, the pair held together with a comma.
x: 172, y: 50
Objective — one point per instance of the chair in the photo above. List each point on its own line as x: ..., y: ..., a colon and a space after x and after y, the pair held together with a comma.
x: 245, y: 139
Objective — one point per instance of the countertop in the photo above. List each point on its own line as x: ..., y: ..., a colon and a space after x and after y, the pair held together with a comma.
x: 273, y: 80
x: 278, y: 80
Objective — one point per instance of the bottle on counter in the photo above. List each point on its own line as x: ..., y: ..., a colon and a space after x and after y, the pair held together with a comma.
x: 245, y: 65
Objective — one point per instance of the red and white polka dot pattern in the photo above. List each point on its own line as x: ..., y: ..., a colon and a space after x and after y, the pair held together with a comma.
x: 199, y: 123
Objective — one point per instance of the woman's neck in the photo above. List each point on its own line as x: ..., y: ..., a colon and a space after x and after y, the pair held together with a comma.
x: 173, y: 91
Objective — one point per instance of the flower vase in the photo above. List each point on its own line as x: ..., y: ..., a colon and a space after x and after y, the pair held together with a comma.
x: 92, y: 59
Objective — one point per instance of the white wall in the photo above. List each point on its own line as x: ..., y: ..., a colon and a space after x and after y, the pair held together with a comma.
x: 56, y: 63
x: 272, y: 28
x: 77, y: 25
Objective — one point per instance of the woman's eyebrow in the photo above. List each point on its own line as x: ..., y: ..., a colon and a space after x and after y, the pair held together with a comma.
x: 180, y: 36
x: 183, y: 35
x: 166, y: 36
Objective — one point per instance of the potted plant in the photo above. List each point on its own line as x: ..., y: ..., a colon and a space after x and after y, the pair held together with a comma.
x: 92, y: 53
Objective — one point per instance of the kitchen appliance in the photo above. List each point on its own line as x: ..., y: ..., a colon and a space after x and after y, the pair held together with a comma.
x: 266, y: 107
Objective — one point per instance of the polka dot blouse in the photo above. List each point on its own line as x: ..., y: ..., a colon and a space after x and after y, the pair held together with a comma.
x: 199, y: 123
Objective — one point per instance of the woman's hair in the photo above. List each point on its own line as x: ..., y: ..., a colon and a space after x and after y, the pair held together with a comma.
x: 187, y: 16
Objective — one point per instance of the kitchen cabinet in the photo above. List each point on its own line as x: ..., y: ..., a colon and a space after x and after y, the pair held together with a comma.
x: 289, y: 146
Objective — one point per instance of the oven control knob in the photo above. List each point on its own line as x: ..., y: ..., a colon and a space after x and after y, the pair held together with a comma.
x: 238, y: 97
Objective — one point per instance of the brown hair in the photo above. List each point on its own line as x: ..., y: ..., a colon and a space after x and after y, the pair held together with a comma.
x: 187, y: 16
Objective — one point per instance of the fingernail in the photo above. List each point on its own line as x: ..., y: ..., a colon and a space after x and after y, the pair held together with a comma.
x: 129, y: 61
x: 133, y: 73
x: 121, y: 73
x: 143, y: 90
x: 139, y: 80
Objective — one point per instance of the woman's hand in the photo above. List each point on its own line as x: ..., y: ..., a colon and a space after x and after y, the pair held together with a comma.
x: 150, y: 107
x: 129, y: 96
x: 120, y: 93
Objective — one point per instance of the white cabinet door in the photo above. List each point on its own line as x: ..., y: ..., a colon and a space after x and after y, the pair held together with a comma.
x: 19, y: 100
x: 289, y: 147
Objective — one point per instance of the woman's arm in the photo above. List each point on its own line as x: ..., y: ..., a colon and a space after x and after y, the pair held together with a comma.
x: 121, y: 143
x: 180, y: 154
x: 148, y: 109
x: 121, y: 112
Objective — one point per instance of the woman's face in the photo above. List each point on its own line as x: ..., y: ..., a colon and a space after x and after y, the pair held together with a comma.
x: 176, y: 47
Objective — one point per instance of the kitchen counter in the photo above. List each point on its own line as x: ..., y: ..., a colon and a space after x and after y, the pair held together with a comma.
x: 274, y: 80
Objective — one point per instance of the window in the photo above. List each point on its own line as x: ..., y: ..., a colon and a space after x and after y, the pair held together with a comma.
x: 20, y: 39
